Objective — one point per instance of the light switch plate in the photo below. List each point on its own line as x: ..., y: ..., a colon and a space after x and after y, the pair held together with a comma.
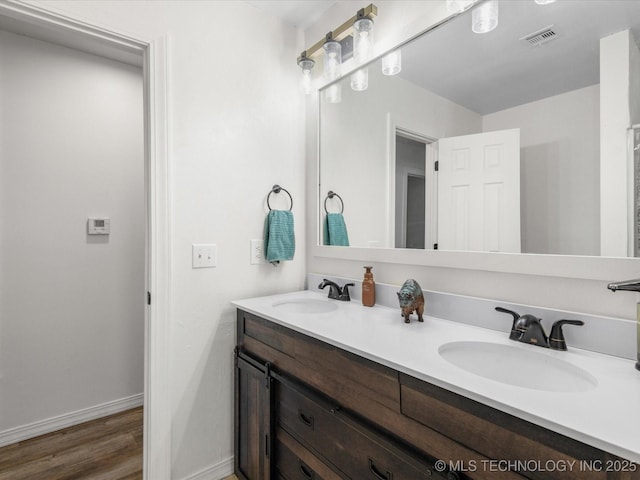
x: 205, y: 255
x: 257, y: 252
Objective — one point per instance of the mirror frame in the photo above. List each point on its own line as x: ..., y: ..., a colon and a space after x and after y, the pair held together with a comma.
x: 564, y: 266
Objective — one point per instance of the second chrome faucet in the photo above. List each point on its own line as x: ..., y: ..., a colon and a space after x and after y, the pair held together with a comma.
x: 528, y: 329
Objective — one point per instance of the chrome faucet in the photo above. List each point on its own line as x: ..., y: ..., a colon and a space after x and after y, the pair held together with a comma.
x: 528, y: 329
x: 335, y: 291
x: 629, y: 286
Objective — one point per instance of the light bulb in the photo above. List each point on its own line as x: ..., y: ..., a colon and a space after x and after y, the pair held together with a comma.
x: 392, y: 63
x: 484, y: 17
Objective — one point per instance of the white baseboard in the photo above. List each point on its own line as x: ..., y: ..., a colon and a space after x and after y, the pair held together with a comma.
x: 52, y: 424
x: 214, y: 472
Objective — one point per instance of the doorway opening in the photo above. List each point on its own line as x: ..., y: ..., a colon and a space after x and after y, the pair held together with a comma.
x: 414, y: 190
x: 43, y: 24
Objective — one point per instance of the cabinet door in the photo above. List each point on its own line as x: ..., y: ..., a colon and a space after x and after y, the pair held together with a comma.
x: 253, y: 434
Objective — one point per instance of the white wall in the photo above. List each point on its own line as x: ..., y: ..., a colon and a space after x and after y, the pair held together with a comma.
x: 355, y: 147
x: 236, y: 127
x: 399, y: 21
x: 560, y: 171
x: 71, y: 306
x: 614, y: 106
x: 634, y: 79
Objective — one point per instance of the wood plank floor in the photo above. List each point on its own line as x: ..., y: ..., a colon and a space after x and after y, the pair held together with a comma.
x: 108, y: 448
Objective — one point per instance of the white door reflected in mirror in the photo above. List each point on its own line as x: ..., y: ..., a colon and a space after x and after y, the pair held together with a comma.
x: 479, y: 192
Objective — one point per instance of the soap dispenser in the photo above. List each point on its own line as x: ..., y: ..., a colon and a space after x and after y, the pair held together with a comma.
x: 368, y: 289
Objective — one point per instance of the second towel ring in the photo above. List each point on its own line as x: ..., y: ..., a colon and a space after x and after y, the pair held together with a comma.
x: 278, y: 189
x: 332, y: 194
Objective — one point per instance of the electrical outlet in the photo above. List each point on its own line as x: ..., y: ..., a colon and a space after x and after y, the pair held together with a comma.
x: 257, y: 252
x: 204, y: 255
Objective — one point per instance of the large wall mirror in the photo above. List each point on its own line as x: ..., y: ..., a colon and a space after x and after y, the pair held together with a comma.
x: 519, y: 140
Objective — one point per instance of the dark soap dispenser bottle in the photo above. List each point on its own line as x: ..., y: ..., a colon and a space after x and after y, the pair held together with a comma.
x: 368, y: 289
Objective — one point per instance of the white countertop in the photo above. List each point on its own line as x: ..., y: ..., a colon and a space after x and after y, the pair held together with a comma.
x: 606, y: 417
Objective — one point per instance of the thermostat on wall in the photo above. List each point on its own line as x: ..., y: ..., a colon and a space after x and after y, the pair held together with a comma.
x: 99, y: 226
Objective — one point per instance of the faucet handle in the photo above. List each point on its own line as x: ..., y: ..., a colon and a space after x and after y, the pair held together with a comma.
x: 515, y: 333
x: 556, y: 337
x: 345, y: 292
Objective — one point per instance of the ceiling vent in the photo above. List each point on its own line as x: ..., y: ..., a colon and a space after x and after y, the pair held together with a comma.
x: 541, y: 36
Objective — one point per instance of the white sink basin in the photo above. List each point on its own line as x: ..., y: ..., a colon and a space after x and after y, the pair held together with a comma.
x: 306, y: 305
x: 521, y: 366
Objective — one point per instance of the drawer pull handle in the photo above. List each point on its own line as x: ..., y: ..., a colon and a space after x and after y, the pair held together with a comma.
x: 377, y: 473
x: 307, y: 472
x: 306, y: 419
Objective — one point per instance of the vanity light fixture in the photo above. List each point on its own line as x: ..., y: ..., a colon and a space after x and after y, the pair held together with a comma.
x: 337, y: 46
x: 484, y: 17
x: 306, y: 64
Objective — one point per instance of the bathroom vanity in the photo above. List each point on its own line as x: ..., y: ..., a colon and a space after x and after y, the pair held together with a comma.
x: 328, y: 390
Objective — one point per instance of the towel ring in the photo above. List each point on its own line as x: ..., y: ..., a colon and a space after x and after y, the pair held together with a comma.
x: 332, y: 194
x: 278, y: 189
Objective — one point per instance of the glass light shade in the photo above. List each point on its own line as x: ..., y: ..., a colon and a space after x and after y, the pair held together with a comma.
x: 392, y: 63
x: 484, y: 17
x: 457, y: 6
x: 333, y: 94
x: 306, y: 64
x: 362, y: 40
x: 544, y: 2
x: 332, y: 59
x: 360, y: 80
x: 305, y: 82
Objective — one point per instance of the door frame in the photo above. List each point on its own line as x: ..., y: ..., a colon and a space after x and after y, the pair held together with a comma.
x: 157, y: 413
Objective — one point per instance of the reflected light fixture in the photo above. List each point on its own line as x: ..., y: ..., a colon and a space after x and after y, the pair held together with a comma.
x: 360, y: 79
x: 544, y: 2
x: 392, y: 62
x: 336, y: 47
x: 484, y: 17
x: 306, y: 64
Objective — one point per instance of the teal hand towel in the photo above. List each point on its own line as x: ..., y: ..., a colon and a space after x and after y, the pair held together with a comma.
x: 335, y: 230
x: 279, y: 239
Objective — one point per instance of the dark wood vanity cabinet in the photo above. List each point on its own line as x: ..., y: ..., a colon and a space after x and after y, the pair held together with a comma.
x: 310, y: 411
x: 253, y: 419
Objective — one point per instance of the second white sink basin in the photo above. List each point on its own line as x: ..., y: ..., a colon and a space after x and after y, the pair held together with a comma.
x: 520, y: 366
x: 306, y: 305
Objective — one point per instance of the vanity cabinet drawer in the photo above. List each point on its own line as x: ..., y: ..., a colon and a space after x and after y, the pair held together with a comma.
x: 294, y: 462
x: 503, y: 437
x: 352, y: 446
